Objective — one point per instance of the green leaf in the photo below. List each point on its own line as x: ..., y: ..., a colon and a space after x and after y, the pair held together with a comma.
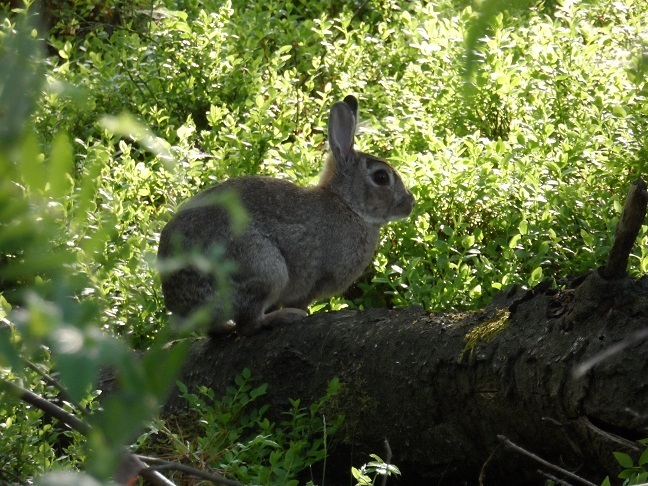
x: 259, y: 391
x: 61, y: 162
x: 126, y: 125
x: 65, y: 478
x: 588, y: 239
x: 468, y: 241
x: 9, y: 356
x: 88, y: 186
x: 623, y: 459
x: 536, y: 276
x: 31, y: 165
x: 21, y: 77
x: 333, y: 387
x: 619, y: 111
x: 513, y: 243
x: 487, y: 12
x: 643, y: 460
x: 162, y: 365
x: 182, y: 387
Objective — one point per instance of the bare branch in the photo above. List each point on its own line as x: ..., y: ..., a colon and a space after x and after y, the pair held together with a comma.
x: 154, y: 477
x: 50, y: 380
x: 46, y: 406
x: 585, y: 366
x: 482, y: 472
x: 634, y: 213
x: 388, y: 458
x: 507, y: 442
x: 160, y: 464
x: 553, y: 478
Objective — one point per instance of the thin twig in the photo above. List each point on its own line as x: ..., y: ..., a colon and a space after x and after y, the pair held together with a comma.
x: 130, y: 466
x: 388, y: 459
x: 325, y: 450
x: 554, y: 478
x: 50, y: 380
x: 46, y: 406
x: 148, y: 88
x: 507, y: 442
x: 358, y: 9
x: 634, y: 338
x: 628, y: 227
x: 153, y: 477
x: 156, y: 464
x: 482, y: 473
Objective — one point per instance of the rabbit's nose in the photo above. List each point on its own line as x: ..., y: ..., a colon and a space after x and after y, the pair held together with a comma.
x: 410, y: 197
x: 404, y: 205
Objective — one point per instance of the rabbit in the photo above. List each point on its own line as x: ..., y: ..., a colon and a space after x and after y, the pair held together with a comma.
x: 300, y: 244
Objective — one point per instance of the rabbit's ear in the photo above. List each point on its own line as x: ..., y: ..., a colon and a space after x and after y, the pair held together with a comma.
x: 341, y: 128
x: 352, y: 101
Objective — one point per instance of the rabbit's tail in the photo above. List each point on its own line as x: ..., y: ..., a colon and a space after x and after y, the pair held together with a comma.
x: 193, y: 297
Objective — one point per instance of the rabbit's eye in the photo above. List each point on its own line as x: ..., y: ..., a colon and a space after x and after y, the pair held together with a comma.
x: 381, y: 177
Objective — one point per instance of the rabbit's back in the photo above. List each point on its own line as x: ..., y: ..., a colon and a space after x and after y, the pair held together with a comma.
x: 307, y: 240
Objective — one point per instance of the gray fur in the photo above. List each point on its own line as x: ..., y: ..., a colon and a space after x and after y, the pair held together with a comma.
x: 300, y: 244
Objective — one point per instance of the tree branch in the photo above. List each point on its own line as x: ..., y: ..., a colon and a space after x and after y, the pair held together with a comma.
x: 50, y: 380
x: 156, y: 464
x: 634, y: 213
x: 154, y: 477
x: 507, y: 442
x: 388, y: 458
x: 46, y: 406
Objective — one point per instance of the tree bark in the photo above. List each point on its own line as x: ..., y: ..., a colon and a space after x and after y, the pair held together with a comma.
x: 442, y: 387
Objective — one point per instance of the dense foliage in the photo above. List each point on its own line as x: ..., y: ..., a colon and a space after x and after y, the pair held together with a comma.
x: 519, y: 159
x: 517, y: 180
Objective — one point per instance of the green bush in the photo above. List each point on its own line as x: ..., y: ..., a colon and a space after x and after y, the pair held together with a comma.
x: 632, y: 474
x: 520, y: 172
x: 518, y: 179
x: 237, y: 438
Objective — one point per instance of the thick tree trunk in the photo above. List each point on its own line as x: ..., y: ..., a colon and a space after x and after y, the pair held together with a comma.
x: 538, y: 367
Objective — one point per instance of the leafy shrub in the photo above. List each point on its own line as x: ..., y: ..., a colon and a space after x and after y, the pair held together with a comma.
x: 519, y: 174
x: 378, y: 466
x: 32, y: 442
x: 48, y: 316
x: 632, y: 473
x: 239, y: 440
x: 518, y: 179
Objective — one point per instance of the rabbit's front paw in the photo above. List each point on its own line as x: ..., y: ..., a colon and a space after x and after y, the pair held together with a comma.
x: 221, y: 328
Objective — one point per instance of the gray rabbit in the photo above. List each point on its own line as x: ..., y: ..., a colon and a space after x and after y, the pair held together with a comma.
x: 300, y: 244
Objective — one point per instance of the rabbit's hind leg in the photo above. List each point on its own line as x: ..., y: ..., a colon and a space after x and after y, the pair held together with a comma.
x: 255, y: 298
x: 285, y: 315
x: 186, y: 290
x: 255, y: 318
x: 194, y: 301
x: 252, y: 299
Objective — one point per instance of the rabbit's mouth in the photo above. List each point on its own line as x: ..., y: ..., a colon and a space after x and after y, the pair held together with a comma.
x: 402, y: 207
x: 399, y: 209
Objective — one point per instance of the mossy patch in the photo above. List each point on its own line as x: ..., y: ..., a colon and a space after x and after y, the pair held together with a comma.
x: 485, y: 332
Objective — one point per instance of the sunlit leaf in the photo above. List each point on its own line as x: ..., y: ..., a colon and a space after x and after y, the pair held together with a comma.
x: 60, y: 166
